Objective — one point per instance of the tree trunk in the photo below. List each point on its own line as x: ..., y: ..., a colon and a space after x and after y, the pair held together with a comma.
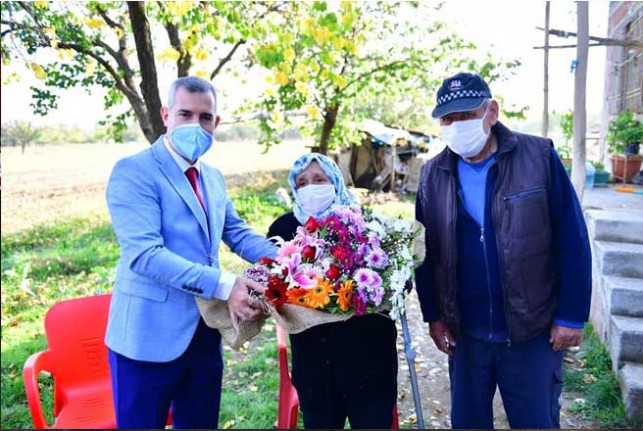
x: 144, y: 121
x: 580, y: 89
x: 330, y: 118
x: 149, y: 80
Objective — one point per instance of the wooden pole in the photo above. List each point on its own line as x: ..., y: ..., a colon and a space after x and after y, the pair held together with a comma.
x: 580, y: 89
x: 545, y: 125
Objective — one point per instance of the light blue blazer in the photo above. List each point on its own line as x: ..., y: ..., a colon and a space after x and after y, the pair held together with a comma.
x: 169, y: 252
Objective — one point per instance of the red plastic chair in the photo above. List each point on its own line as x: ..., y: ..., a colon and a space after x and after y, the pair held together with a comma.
x: 288, y: 408
x: 76, y: 357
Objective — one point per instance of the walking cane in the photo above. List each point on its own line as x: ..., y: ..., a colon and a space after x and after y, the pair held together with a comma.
x: 410, y: 359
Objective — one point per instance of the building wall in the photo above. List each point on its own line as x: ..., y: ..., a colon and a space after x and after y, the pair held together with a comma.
x: 624, y: 65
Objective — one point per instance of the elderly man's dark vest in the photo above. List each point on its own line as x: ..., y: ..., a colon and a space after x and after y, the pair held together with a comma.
x: 523, y: 232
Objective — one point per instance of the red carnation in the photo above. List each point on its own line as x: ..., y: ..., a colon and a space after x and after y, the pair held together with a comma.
x: 266, y: 261
x: 308, y: 252
x: 311, y: 225
x: 338, y: 253
x: 333, y: 272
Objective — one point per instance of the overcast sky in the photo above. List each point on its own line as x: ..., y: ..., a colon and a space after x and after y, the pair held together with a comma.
x: 505, y: 28
x: 509, y: 29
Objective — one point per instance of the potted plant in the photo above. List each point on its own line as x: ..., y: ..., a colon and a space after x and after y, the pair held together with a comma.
x: 565, y: 154
x: 601, y: 176
x: 565, y: 151
x: 624, y: 137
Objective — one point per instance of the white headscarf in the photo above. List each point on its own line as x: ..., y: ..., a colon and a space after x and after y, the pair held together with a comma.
x: 342, y: 195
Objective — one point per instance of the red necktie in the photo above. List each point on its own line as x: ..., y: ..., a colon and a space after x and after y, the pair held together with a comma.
x: 192, y: 175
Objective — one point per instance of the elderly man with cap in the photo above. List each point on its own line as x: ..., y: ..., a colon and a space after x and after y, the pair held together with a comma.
x: 506, y: 282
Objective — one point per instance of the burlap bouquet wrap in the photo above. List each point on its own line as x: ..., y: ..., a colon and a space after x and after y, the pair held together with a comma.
x: 216, y: 315
x: 295, y: 318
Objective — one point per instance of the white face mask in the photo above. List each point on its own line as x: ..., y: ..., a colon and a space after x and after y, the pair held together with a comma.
x: 315, y: 198
x: 466, y: 138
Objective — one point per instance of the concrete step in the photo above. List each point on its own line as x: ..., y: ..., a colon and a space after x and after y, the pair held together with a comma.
x: 619, y: 258
x: 615, y: 226
x: 626, y: 340
x: 624, y: 295
x: 630, y: 377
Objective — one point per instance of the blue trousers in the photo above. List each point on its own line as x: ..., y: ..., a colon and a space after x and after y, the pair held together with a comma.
x: 528, y: 375
x: 190, y: 385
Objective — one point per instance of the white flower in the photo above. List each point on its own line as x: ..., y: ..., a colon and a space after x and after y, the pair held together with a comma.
x: 403, y: 226
x: 377, y: 228
x: 406, y: 254
x: 398, y: 278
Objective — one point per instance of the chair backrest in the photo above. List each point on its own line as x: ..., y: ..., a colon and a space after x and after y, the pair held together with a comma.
x: 288, y: 401
x: 75, y: 331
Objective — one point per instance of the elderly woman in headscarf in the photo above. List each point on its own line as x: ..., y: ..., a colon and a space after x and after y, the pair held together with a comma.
x: 342, y: 369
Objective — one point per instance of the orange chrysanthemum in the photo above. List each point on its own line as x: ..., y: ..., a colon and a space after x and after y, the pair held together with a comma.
x: 297, y: 296
x: 318, y: 296
x: 345, y: 295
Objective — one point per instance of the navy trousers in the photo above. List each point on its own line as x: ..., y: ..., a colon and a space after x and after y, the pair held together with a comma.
x: 528, y: 375
x: 190, y: 384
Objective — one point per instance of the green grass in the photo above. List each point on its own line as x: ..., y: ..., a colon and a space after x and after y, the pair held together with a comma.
x: 597, y: 385
x: 249, y: 399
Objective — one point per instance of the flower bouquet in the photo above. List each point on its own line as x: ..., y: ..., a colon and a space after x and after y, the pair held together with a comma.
x: 346, y: 264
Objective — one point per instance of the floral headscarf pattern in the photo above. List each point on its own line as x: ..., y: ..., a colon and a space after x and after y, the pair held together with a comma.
x: 342, y: 195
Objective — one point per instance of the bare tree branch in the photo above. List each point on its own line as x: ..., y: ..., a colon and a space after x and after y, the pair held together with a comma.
x: 227, y: 58
x: 110, y: 22
x: 373, y: 71
x: 274, y: 8
x: 184, y: 61
x: 120, y: 84
x: 119, y: 56
x: 27, y: 8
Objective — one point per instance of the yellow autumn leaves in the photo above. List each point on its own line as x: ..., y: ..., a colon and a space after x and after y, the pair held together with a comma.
x: 179, y: 8
x: 310, y: 57
x: 38, y: 70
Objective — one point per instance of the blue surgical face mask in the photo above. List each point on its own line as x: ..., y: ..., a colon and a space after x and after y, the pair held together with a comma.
x: 191, y: 140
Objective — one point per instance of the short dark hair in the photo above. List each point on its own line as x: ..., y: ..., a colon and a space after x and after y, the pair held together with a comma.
x: 193, y: 84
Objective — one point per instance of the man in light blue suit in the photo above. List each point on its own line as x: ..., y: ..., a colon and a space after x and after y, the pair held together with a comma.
x: 170, y: 220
